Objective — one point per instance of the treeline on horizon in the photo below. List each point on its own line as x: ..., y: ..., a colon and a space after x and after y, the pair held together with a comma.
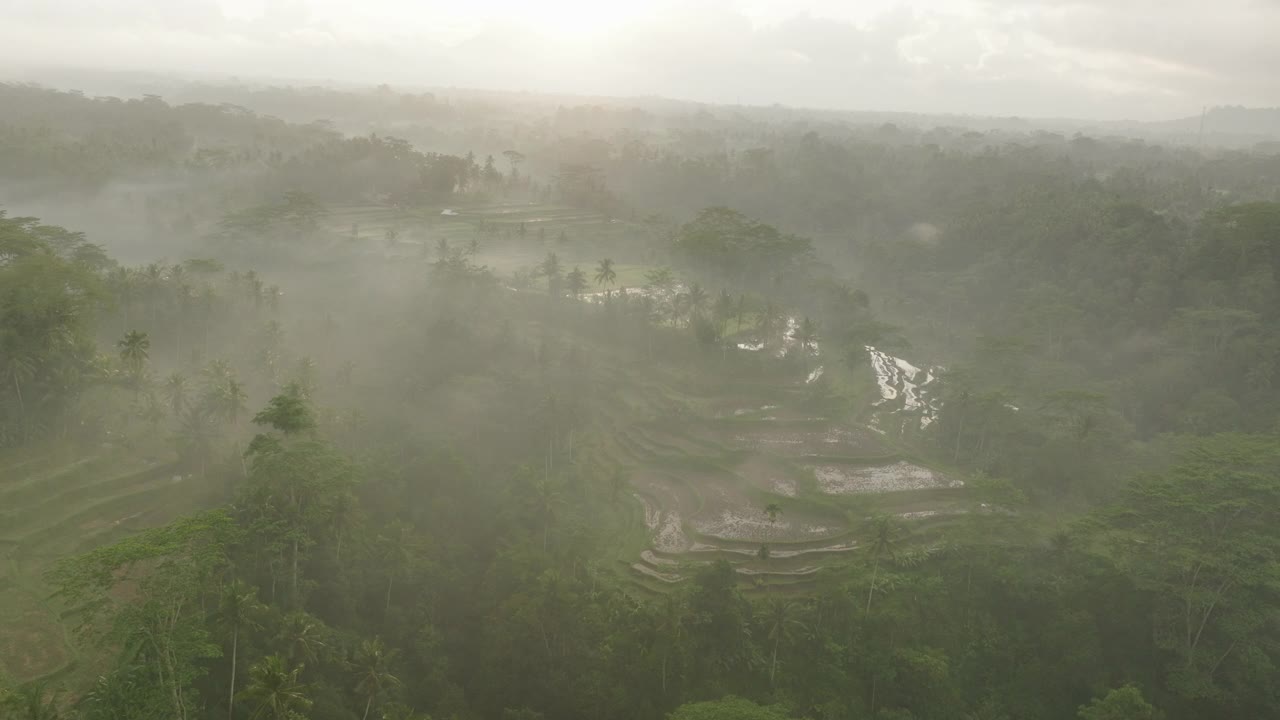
x: 395, y: 541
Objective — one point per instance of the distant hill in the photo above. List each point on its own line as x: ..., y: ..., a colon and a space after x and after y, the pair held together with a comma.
x: 1232, y: 120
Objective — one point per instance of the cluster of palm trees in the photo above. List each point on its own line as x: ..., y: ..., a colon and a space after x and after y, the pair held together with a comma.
x: 201, y: 407
x: 575, y: 281
x: 276, y: 689
x: 175, y: 299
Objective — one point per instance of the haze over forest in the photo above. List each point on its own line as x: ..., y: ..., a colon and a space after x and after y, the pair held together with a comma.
x: 658, y: 361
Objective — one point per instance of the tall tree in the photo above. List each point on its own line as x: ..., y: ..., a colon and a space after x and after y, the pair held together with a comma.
x: 781, y: 618
x: 168, y: 569
x: 605, y: 274
x: 576, y: 281
x: 372, y: 668
x: 805, y: 333
x: 551, y: 269
x: 134, y: 347
x: 1202, y: 538
x: 237, y: 610
x: 176, y: 390
x: 289, y: 412
x: 884, y: 536
x: 276, y: 690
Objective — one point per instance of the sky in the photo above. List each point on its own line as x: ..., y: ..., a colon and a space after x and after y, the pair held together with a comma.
x: 1096, y: 59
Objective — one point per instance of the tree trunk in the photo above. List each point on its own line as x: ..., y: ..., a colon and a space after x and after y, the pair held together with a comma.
x: 386, y: 608
x: 955, y: 456
x: 22, y: 408
x: 231, y: 697
x: 773, y: 665
x: 664, y: 674
x: 367, y: 704
x: 875, y: 570
x: 293, y: 592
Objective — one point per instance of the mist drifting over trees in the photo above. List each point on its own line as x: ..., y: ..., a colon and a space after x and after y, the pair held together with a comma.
x: 347, y: 402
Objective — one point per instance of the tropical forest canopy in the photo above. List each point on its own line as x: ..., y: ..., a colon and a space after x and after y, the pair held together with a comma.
x: 483, y: 407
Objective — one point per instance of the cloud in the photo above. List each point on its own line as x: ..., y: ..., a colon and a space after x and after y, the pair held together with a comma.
x: 1082, y: 58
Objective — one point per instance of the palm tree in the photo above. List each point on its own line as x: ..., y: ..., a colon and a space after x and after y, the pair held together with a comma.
x: 302, y: 637
x: 215, y: 373
x: 605, y: 274
x: 153, y: 284
x: 305, y: 376
x: 151, y: 410
x: 372, y: 670
x: 549, y: 501
x: 176, y: 388
x: 723, y: 308
x: 228, y: 398
x: 576, y: 281
x: 197, y: 431
x: 780, y: 622
x: 767, y: 322
x: 272, y: 334
x: 772, y: 511
x: 18, y: 369
x: 740, y: 309
x: 696, y: 298
x: 236, y: 611
x: 276, y: 689
x: 806, y: 333
x: 133, y: 351
x: 670, y: 631
x: 345, y: 372
x: 884, y: 533
x: 126, y: 283
x: 345, y: 514
x: 551, y: 267
x: 396, y: 552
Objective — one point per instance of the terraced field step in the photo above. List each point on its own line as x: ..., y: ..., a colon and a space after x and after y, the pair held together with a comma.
x: 21, y: 487
x: 74, y: 496
x: 71, y: 527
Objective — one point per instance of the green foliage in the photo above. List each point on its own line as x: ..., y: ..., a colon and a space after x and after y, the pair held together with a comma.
x: 49, y: 285
x: 1124, y: 703
x: 1085, y: 296
x: 724, y: 241
x: 31, y: 702
x: 728, y: 708
x: 274, y: 690
x: 1203, y: 540
x: 289, y: 412
x: 169, y: 568
x: 576, y: 281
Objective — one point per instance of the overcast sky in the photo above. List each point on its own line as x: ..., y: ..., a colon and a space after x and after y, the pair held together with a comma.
x: 1106, y: 59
